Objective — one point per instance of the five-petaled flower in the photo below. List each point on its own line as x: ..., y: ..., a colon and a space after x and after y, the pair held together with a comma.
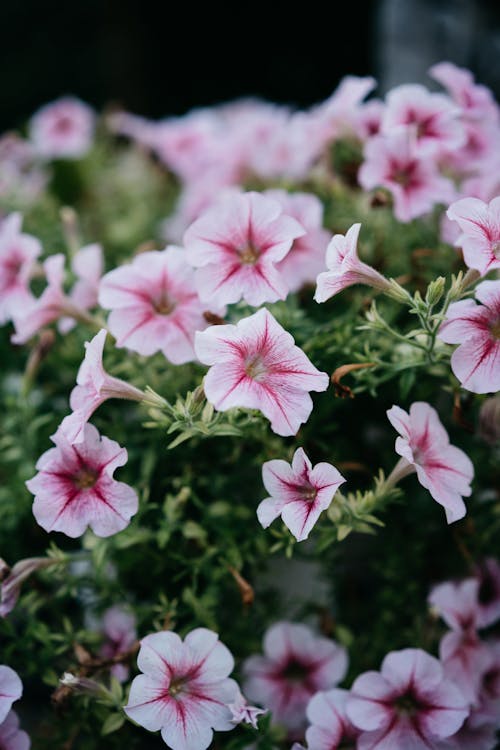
x: 74, y: 487
x: 11, y: 689
x: 256, y: 365
x: 408, y: 704
x: 295, y: 665
x: 154, y: 305
x: 480, y: 238
x: 298, y: 492
x: 443, y: 469
x: 330, y: 727
x: 62, y: 129
x: 18, y: 252
x: 476, y: 328
x: 236, y: 246
x: 185, y: 689
x: 119, y: 628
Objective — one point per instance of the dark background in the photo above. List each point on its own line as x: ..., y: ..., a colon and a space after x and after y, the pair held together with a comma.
x: 164, y: 59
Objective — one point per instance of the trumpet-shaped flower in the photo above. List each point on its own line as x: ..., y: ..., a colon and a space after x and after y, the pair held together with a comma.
x: 243, y: 713
x: 154, y: 305
x: 18, y: 253
x: 184, y: 689
x: 345, y: 268
x: 441, y: 468
x: 256, y: 365
x: 330, y: 727
x: 11, y: 689
x: 62, y: 129
x: 74, y: 487
x: 295, y: 665
x: 480, y: 238
x: 119, y: 627
x: 476, y: 328
x: 11, y: 737
x: 298, y: 492
x: 392, y: 162
x: 236, y: 244
x: 408, y: 704
x: 94, y: 386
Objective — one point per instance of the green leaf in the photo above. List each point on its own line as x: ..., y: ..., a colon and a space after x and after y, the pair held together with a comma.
x: 113, y: 723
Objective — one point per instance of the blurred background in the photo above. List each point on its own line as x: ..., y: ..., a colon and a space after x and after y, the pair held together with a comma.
x: 164, y: 59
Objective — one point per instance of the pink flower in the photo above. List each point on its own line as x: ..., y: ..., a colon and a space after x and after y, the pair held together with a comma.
x: 184, y: 690
x: 392, y: 162
x: 476, y: 328
x: 480, y: 238
x: 457, y: 603
x: 299, y: 492
x: 295, y: 665
x: 11, y: 737
x: 87, y: 265
x: 433, y: 119
x: 441, y: 468
x: 62, y: 129
x: 305, y: 260
x: 476, y: 101
x: 369, y: 119
x: 345, y: 268
x: 236, y: 245
x: 119, y: 627
x: 18, y: 252
x: 330, y: 726
x: 340, y: 112
x: 471, y: 738
x: 154, y: 305
x: 256, y: 365
x: 94, y: 386
x: 74, y: 487
x: 488, y: 575
x: 408, y: 704
x: 10, y: 587
x: 243, y: 713
x: 11, y: 689
x: 487, y: 708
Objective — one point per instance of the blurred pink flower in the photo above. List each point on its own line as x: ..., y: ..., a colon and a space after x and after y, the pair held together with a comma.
x: 457, y: 603
x: 476, y: 101
x: 416, y: 186
x: 306, y: 257
x: 298, y: 492
x: 296, y: 664
x: 18, y: 252
x: 184, y: 690
x: 236, y: 244
x: 330, y: 727
x: 87, y: 265
x: 154, y: 305
x: 256, y: 365
x: 11, y: 689
x: 339, y: 114
x: 480, y: 238
x: 63, y: 129
x: 345, y: 268
x: 242, y: 712
x: 488, y: 575
x: 443, y: 469
x: 10, y: 586
x: 11, y: 737
x: 476, y: 328
x: 94, y: 386
x: 408, y: 704
x: 119, y: 628
x: 74, y: 487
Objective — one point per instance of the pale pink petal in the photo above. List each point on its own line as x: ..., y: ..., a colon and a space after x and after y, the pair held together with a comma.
x: 11, y: 689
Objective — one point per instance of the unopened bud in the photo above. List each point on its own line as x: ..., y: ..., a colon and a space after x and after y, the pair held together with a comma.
x: 435, y: 291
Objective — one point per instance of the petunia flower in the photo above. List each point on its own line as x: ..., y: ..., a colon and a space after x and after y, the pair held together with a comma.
x: 242, y: 712
x: 443, y: 469
x: 392, y: 162
x: 11, y: 737
x: 408, y: 704
x: 305, y: 260
x: 11, y: 689
x: 10, y: 586
x: 154, y: 305
x: 330, y: 727
x: 184, y: 690
x: 476, y: 328
x: 480, y: 238
x: 18, y: 252
x: 298, y: 492
x: 236, y: 245
x: 295, y: 665
x: 345, y: 268
x: 119, y: 628
x: 63, y: 129
x: 475, y: 100
x: 74, y: 487
x: 94, y: 386
x: 87, y: 265
x: 256, y: 365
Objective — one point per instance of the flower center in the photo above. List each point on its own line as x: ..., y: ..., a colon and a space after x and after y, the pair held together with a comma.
x: 308, y: 492
x: 85, y: 478
x: 495, y: 330
x: 163, y: 305
x: 294, y: 671
x: 177, y: 686
x: 495, y: 249
x: 407, y: 705
x: 249, y: 255
x: 255, y: 367
x: 64, y: 124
